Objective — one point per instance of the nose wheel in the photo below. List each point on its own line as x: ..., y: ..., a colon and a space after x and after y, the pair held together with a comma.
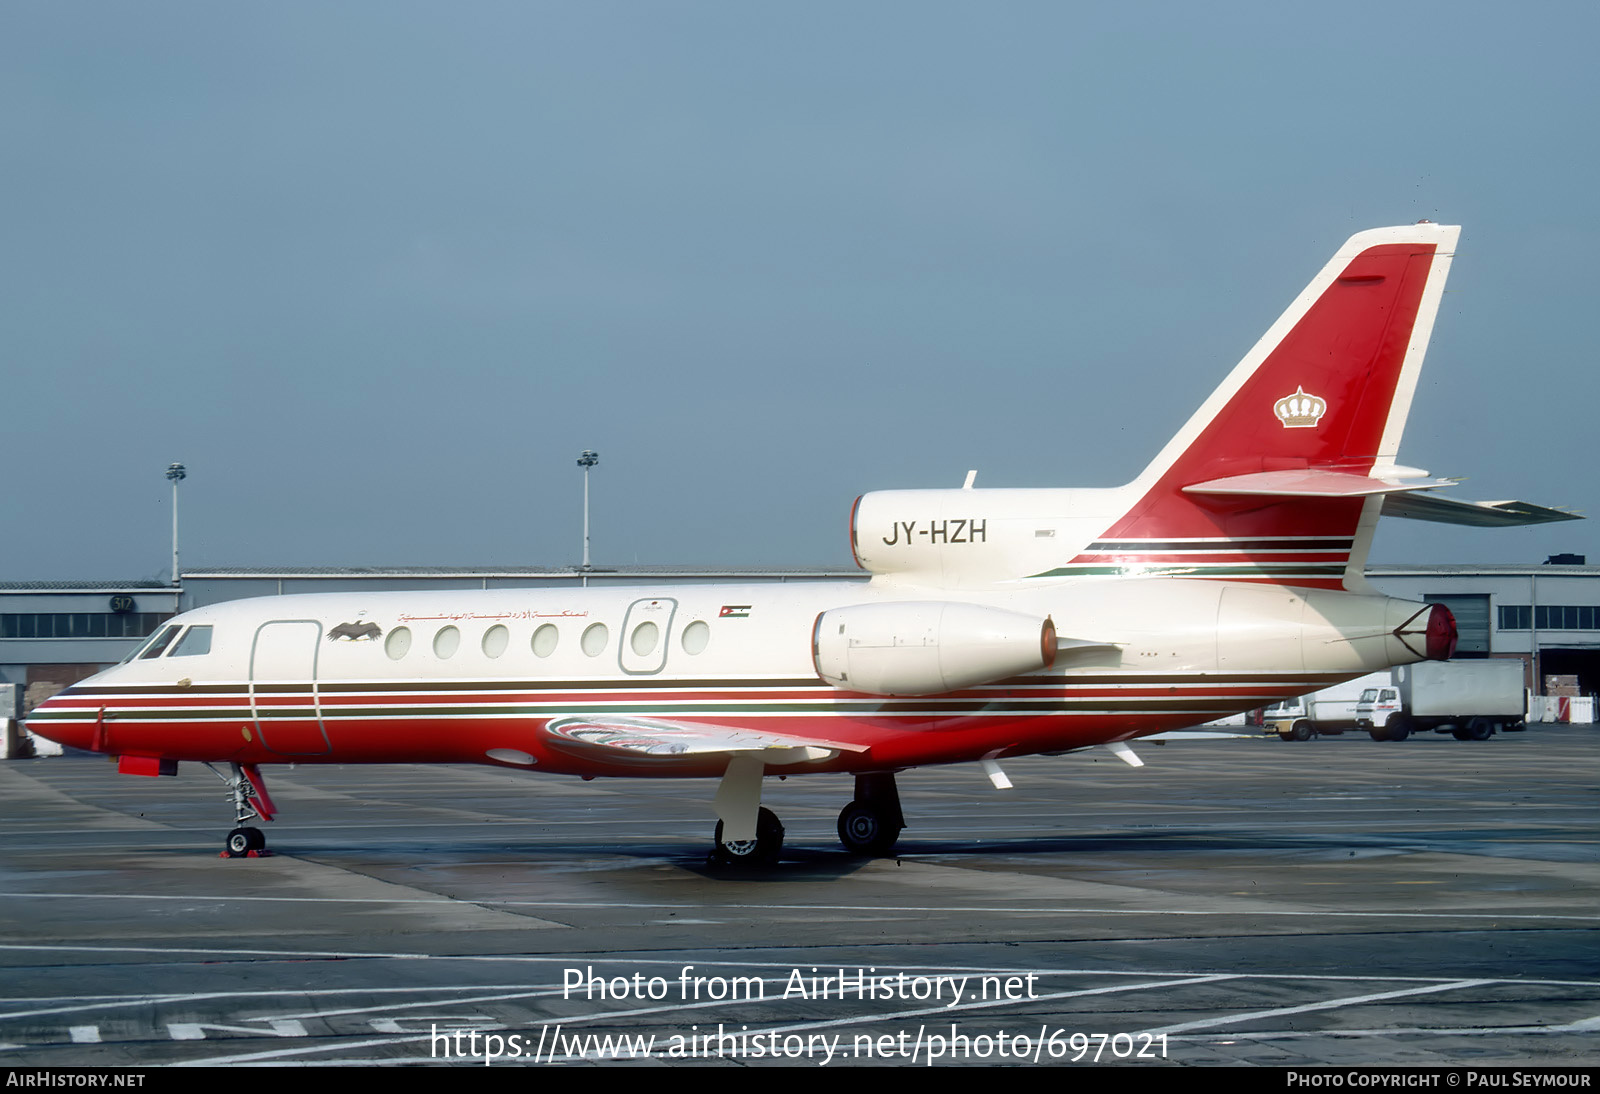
x: 245, y: 843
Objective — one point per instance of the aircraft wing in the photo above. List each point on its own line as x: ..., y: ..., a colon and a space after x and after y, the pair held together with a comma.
x: 649, y: 742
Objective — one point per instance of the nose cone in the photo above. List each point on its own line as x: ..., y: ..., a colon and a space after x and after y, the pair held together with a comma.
x: 67, y: 718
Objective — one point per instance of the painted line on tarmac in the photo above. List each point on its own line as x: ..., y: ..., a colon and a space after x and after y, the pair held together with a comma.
x: 1327, y: 1004
x: 916, y: 908
x: 678, y: 1008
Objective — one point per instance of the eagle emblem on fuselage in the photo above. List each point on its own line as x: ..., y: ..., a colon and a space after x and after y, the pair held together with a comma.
x: 355, y: 632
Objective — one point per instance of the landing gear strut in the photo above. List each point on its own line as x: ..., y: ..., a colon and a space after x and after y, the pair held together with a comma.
x: 871, y: 824
x: 738, y: 803
x: 250, y: 801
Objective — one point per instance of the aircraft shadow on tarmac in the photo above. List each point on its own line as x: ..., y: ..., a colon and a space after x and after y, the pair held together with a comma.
x: 801, y: 861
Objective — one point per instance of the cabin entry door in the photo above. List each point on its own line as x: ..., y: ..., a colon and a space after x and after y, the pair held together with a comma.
x: 283, y: 687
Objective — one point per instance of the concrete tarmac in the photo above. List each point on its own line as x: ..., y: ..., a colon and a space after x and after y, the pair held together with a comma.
x: 1237, y: 901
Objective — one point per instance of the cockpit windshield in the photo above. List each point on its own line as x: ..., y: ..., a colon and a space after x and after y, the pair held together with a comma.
x: 153, y: 647
x: 195, y: 641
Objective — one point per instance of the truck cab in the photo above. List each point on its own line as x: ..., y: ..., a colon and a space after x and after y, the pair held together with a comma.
x: 1375, y: 709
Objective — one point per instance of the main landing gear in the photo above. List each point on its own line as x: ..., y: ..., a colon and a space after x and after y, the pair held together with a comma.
x: 747, y: 835
x: 871, y: 824
x: 868, y: 826
x: 763, y: 850
x: 250, y: 800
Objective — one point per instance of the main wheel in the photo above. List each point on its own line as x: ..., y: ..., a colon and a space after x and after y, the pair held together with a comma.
x: 863, y: 830
x: 761, y: 851
x: 241, y: 841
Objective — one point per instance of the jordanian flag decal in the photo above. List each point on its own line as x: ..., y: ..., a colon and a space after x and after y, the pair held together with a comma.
x: 734, y: 611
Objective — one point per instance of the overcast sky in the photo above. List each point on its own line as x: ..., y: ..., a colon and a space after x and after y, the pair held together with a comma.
x: 378, y: 272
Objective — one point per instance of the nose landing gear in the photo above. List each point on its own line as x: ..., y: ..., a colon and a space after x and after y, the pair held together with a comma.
x: 246, y: 843
x: 250, y: 800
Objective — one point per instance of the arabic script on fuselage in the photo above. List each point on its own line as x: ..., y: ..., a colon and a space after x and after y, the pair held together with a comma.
x: 456, y: 617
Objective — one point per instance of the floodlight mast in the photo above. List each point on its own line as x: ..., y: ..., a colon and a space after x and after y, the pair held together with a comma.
x: 587, y: 460
x: 176, y: 473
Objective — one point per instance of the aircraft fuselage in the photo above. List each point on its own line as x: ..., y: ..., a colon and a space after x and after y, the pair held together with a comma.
x: 477, y: 676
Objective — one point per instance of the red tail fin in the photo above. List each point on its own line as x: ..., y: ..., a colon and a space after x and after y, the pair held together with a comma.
x: 1315, y: 410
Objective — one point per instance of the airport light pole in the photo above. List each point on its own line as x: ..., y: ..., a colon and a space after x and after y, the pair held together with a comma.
x: 175, y: 474
x: 586, y: 461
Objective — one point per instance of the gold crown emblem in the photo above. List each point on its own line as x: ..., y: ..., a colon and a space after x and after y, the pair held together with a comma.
x: 1300, y: 411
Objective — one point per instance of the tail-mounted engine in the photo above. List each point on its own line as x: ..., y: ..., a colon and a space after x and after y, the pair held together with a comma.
x: 927, y: 647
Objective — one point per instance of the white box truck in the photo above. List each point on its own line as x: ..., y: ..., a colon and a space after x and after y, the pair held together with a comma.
x: 1330, y: 711
x: 1470, y: 699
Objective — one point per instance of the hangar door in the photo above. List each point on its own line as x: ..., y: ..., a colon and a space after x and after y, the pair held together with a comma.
x: 1472, y: 621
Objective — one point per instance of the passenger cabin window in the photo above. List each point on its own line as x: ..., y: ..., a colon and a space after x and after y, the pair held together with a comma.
x: 545, y: 639
x: 645, y: 637
x: 695, y: 637
x: 159, y: 644
x: 195, y: 641
x: 398, y: 644
x: 495, y: 641
x: 446, y: 642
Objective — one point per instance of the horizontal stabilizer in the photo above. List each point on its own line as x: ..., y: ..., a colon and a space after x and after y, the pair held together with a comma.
x: 1478, y: 514
x: 1402, y: 497
x: 1310, y: 483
